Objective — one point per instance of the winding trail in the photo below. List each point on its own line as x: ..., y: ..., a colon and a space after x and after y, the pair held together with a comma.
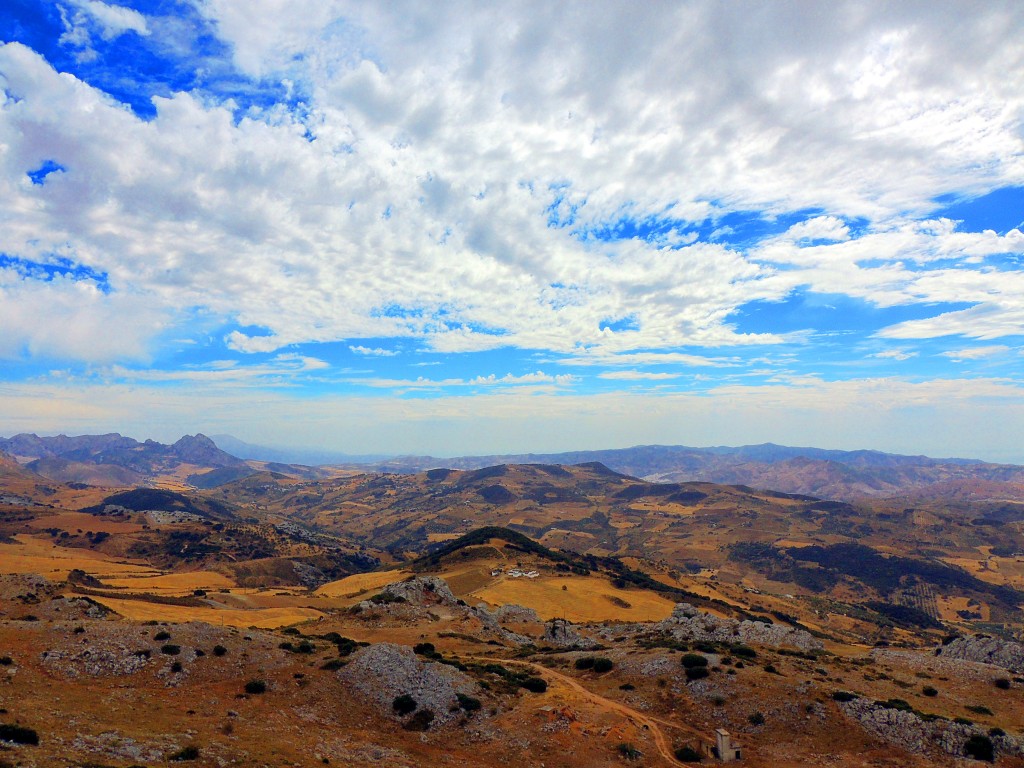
x: 647, y: 722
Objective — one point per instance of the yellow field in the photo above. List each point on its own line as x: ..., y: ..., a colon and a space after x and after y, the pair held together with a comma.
x: 442, y: 536
x: 32, y: 555
x: 265, y: 618
x: 174, y: 583
x: 360, y: 582
x: 81, y: 521
x: 583, y: 599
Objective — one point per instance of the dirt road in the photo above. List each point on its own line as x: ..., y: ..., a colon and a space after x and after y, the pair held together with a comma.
x: 648, y: 722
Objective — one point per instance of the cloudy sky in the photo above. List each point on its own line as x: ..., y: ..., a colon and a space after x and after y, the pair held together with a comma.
x: 493, y: 227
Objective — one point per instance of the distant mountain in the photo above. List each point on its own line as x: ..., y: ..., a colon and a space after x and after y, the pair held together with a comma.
x: 832, y: 474
x: 113, y: 459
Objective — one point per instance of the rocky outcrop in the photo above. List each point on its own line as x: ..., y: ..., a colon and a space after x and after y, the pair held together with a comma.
x: 985, y: 650
x: 562, y: 634
x: 908, y: 730
x: 382, y: 672
x: 687, y: 623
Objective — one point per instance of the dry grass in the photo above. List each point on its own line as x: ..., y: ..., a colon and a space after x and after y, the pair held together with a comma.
x: 584, y: 599
x: 174, y: 583
x: 265, y: 618
x: 33, y: 555
x: 81, y: 521
x: 360, y: 582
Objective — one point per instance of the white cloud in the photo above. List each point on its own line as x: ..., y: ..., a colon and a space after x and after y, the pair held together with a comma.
x: 445, y: 137
x: 421, y: 382
x: 374, y: 352
x: 636, y: 375
x: 114, y: 20
x: 894, y: 354
x: 975, y: 353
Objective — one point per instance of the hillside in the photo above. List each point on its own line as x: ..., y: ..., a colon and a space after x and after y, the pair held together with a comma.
x: 517, y: 614
x: 830, y: 474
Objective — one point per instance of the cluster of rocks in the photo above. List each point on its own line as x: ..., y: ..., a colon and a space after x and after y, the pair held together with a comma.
x: 688, y: 624
x: 561, y: 634
x: 985, y: 650
x: 385, y: 671
x: 908, y: 730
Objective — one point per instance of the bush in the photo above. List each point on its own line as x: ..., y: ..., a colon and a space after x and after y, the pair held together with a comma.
x: 930, y: 690
x: 1003, y: 683
x: 585, y: 662
x: 219, y: 650
x: 6, y: 661
x: 535, y: 684
x: 978, y: 709
x: 629, y: 752
x: 404, y: 704
x: 696, y: 673
x: 256, y: 686
x: 170, y: 649
x: 332, y: 664
x: 188, y: 753
x: 468, y: 703
x: 18, y: 735
x: 162, y: 636
x: 688, y: 754
x: 843, y: 696
x: 424, y: 649
x: 980, y: 748
x: 692, y: 660
x: 420, y: 721
x: 602, y: 664
x: 756, y: 718
x: 176, y: 667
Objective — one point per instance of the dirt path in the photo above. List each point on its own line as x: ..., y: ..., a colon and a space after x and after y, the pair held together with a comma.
x: 648, y: 722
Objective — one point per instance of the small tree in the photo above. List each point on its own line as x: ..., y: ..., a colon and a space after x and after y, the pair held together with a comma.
x: 404, y: 704
x: 256, y: 686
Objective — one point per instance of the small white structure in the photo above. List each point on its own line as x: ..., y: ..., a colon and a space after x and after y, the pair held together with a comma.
x: 726, y: 748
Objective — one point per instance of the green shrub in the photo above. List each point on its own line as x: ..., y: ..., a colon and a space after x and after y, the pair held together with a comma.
x: 629, y: 752
x: 744, y: 651
x: 332, y: 664
x: 6, y: 661
x: 692, y: 660
x: 534, y: 684
x: 602, y: 664
x: 688, y: 754
x: 176, y: 667
x: 424, y: 649
x: 188, y: 753
x: 170, y: 649
x: 162, y: 636
x: 420, y: 721
x: 1002, y: 683
x: 219, y: 650
x: 980, y: 748
x: 930, y: 690
x: 468, y: 703
x: 18, y: 735
x: 978, y: 709
x: 404, y: 704
x: 843, y: 696
x: 756, y: 718
x: 585, y: 662
x: 696, y: 673
x: 256, y: 686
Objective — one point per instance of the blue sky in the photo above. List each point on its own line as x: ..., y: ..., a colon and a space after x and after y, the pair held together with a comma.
x: 503, y: 228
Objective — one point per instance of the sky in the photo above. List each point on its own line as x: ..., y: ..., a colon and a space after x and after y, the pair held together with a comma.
x: 457, y: 228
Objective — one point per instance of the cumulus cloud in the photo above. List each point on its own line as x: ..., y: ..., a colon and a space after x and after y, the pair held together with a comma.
x: 372, y: 352
x: 975, y: 353
x: 482, y: 176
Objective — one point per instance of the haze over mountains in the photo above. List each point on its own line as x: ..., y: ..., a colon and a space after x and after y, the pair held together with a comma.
x: 114, y: 460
